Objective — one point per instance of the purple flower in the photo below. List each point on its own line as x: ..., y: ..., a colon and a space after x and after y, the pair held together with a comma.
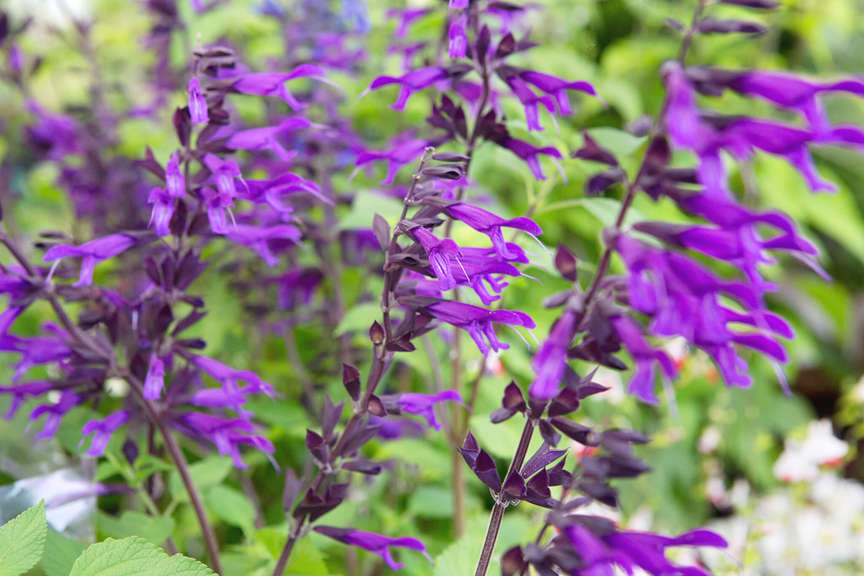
x: 424, y: 404
x: 375, y: 543
x: 266, y: 138
x: 46, y: 349
x: 270, y: 192
x: 91, y: 253
x: 394, y: 428
x: 175, y: 182
x: 634, y: 550
x: 197, y: 103
x: 557, y: 88
x: 554, y: 91
x: 21, y: 392
x: 413, y: 81
x: 490, y: 224
x: 265, y: 84
x: 102, y: 431
x: 226, y: 175
x: 442, y: 254
x: 483, y: 268
x: 229, y: 377
x: 551, y: 359
x: 258, y: 239
x: 458, y: 35
x: 54, y: 413
x: 478, y: 322
x: 404, y: 149
x: 228, y: 435
x: 405, y: 17
x: 529, y: 101
x: 645, y: 357
x: 459, y: 4
x: 155, y: 380
x: 163, y: 211
x: 218, y: 205
x: 530, y: 154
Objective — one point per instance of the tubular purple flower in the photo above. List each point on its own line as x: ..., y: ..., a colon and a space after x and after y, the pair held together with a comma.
x: 490, y: 224
x: 482, y: 267
x: 197, y: 104
x: 557, y: 88
x: 645, y: 357
x: 257, y: 238
x: 530, y: 154
x: 102, y: 431
x: 551, y: 359
x: 405, y: 18
x: 635, y: 550
x: 375, y: 543
x: 21, y: 392
x: 264, y: 84
x: 227, y: 434
x: 458, y: 35
x: 163, y: 211
x: 478, y: 322
x: 54, y: 413
x: 409, y: 83
x: 175, y: 183
x: 155, y: 380
x: 91, y: 253
x: 530, y: 101
x: 424, y: 404
x: 226, y: 175
x: 266, y: 138
x: 404, y: 149
x: 459, y: 4
x: 229, y: 377
x: 218, y: 206
x: 442, y: 253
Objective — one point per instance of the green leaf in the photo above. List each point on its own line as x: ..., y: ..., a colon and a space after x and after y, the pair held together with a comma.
x: 606, y: 210
x: 365, y: 206
x: 306, y: 559
x: 616, y: 141
x: 152, y: 528
x: 359, y: 318
x: 134, y: 557
x: 231, y: 507
x: 60, y: 554
x: 431, y: 502
x: 205, y: 474
x: 22, y: 541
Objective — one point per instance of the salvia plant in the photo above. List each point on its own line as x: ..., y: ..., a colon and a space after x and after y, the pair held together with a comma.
x: 108, y: 317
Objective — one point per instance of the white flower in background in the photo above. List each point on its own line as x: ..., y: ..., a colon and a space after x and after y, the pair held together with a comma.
x: 709, y: 440
x: 611, y: 379
x: 801, y: 460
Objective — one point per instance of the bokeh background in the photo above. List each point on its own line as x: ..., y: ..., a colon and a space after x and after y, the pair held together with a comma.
x: 780, y: 475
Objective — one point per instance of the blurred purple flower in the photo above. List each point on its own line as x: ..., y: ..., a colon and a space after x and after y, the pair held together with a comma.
x: 375, y: 543
x: 424, y: 404
x: 91, y: 253
x: 102, y: 431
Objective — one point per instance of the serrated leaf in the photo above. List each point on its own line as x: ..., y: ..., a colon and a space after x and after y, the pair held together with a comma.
x: 134, y: 557
x: 60, y: 554
x: 22, y: 541
x: 205, y: 474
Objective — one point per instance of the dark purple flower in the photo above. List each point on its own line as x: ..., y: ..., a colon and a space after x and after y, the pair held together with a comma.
x: 55, y: 412
x: 175, y: 183
x: 490, y: 224
x: 442, y: 254
x: 91, y: 253
x: 635, y: 550
x: 458, y: 35
x: 163, y: 211
x: 483, y: 269
x: 227, y: 434
x: 265, y: 84
x: 155, y: 380
x: 21, y: 392
x: 530, y: 154
x: 424, y: 404
x: 229, y: 377
x: 102, y: 431
x: 478, y: 322
x: 413, y: 81
x: 225, y: 174
x: 551, y: 359
x: 645, y: 357
x: 267, y: 138
x: 404, y: 149
x: 375, y: 543
x: 197, y: 103
x: 258, y: 238
x: 218, y: 206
